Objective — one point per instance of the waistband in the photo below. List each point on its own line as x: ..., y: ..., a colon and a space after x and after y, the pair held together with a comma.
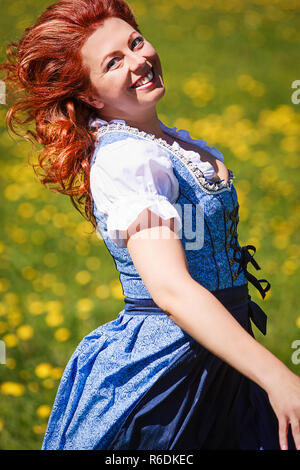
x: 231, y: 297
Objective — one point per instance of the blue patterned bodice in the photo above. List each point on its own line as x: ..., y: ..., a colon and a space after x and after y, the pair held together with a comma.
x: 215, y: 258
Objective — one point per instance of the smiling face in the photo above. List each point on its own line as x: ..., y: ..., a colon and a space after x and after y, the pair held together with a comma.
x: 124, y: 69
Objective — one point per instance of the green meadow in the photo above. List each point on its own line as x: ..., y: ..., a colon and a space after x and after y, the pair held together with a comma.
x: 228, y: 68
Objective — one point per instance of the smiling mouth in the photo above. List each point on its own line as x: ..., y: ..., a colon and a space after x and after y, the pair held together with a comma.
x: 144, y: 80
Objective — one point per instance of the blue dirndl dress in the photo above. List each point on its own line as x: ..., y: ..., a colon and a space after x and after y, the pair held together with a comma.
x: 140, y: 382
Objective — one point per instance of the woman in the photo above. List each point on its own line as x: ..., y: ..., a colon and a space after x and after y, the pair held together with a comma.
x: 179, y: 368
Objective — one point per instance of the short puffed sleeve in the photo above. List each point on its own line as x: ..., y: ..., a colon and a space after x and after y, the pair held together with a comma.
x: 129, y: 176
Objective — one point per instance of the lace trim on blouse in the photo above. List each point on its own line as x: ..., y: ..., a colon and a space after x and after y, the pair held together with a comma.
x: 190, y: 159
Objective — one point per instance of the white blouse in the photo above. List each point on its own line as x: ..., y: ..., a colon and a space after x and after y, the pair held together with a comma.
x: 131, y: 175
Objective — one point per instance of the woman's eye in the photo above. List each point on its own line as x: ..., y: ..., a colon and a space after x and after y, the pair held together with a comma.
x: 137, y: 41
x: 140, y: 39
x: 111, y: 63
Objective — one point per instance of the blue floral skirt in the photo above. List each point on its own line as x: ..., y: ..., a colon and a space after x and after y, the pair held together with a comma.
x: 140, y: 382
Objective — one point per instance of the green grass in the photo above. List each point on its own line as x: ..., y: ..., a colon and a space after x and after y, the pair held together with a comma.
x: 228, y: 68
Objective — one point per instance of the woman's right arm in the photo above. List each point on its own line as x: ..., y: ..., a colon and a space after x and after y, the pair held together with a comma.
x: 158, y: 256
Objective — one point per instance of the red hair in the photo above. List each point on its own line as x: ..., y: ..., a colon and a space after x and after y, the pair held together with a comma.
x: 45, y: 71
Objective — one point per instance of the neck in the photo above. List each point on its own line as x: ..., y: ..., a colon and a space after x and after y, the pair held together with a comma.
x: 151, y: 126
x: 148, y: 123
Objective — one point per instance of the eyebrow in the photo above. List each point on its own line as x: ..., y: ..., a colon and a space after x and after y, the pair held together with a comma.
x: 114, y: 52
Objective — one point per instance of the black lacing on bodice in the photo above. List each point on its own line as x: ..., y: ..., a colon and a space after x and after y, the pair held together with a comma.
x: 241, y: 254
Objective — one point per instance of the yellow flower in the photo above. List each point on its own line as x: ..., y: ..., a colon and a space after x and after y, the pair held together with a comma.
x: 84, y: 306
x: 102, y: 291
x: 83, y: 277
x: 58, y: 288
x: 38, y: 237
x: 19, y: 235
x: 51, y: 260
x: 243, y: 213
x: 289, y: 267
x: 3, y: 327
x: 54, y: 319
x: 83, y: 229
x: 39, y: 428
x: 10, y: 340
x: 4, y: 284
x: 13, y: 192
x: 60, y: 220
x: 290, y: 144
x: 281, y: 241
x: 268, y: 295
x: 56, y: 372
x: 116, y: 289
x: 14, y: 318
x: 42, y: 217
x: 38, y: 284
x: 11, y: 298
x: 43, y: 411
x: 82, y: 248
x: 48, y: 279
x: 93, y: 263
x: 271, y: 267
x: 3, y: 309
x: 62, y: 334
x: 48, y: 383
x: 12, y: 388
x: 11, y: 363
x: 25, y: 332
x: 36, y: 307
x: 26, y: 210
x: 54, y: 306
x: 199, y: 89
x: 33, y: 387
x: 298, y: 322
x: 246, y: 82
x: 29, y: 273
x: 43, y: 370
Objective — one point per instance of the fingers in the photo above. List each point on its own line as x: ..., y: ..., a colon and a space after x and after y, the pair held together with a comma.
x: 296, y: 432
x: 283, y: 430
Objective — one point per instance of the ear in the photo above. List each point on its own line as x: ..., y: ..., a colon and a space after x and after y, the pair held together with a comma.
x: 92, y: 100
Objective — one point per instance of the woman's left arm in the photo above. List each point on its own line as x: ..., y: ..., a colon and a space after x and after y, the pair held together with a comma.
x: 160, y: 260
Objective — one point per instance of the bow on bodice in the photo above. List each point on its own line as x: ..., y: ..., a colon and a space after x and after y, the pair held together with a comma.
x: 243, y: 260
x: 256, y: 313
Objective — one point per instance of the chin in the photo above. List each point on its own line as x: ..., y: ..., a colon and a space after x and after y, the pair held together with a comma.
x: 158, y: 93
x: 152, y: 102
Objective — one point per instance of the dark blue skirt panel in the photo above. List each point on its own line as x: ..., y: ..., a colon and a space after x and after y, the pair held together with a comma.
x: 201, y: 402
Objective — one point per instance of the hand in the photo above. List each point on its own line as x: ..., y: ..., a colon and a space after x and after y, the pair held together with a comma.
x: 285, y: 401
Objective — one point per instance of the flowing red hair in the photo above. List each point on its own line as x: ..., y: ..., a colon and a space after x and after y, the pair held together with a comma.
x: 45, y: 72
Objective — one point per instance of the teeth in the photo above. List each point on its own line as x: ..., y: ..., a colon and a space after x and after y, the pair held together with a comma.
x: 144, y: 80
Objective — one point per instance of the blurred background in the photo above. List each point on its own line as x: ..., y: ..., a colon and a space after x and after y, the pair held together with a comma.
x: 228, y: 68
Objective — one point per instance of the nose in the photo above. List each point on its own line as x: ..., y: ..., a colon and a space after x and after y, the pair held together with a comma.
x: 137, y: 63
